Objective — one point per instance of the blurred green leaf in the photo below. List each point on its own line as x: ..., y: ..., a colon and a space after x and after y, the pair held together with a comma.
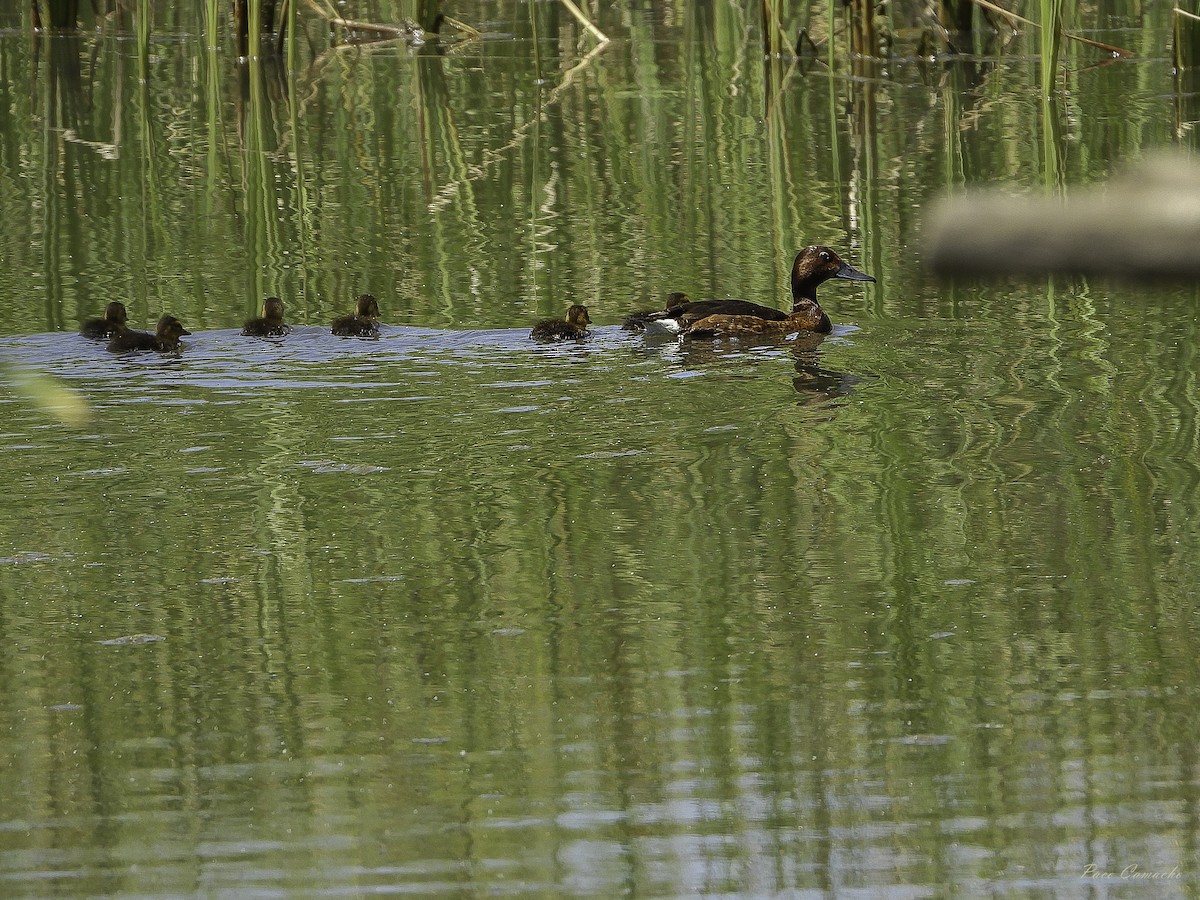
x: 49, y: 395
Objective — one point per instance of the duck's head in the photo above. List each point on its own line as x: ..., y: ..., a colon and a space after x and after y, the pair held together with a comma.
x: 578, y: 315
x: 366, y: 306
x: 170, y: 328
x: 272, y: 308
x: 677, y: 299
x: 115, y: 314
x: 815, y: 265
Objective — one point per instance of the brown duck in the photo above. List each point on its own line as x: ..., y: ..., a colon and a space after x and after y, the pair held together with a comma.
x: 165, y: 338
x: 113, y: 322
x: 571, y: 328
x: 637, y: 321
x: 363, y: 322
x: 270, y: 323
x: 812, y: 267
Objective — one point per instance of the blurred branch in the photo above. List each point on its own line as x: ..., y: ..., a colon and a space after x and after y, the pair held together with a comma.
x: 1145, y: 224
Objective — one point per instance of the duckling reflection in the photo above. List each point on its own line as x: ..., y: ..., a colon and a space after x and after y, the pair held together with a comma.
x: 112, y: 323
x: 165, y: 338
x: 270, y: 323
x: 571, y: 328
x: 363, y: 322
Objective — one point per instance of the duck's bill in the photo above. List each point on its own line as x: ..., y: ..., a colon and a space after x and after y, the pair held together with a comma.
x: 850, y: 273
x: 185, y: 331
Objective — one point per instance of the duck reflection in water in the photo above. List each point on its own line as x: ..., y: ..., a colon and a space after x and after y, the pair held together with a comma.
x: 816, y: 384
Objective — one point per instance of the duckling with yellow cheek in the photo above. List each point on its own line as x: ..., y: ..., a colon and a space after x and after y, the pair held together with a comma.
x: 812, y: 267
x: 165, y: 338
x: 571, y: 328
x: 363, y: 322
x: 112, y: 323
x: 270, y: 324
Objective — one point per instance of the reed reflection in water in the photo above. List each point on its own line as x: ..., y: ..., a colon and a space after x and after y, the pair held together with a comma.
x: 905, y: 611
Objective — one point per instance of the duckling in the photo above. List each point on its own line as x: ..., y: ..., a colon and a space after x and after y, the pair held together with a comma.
x: 571, y: 328
x: 112, y: 323
x: 637, y: 321
x: 270, y: 324
x: 165, y: 338
x: 364, y: 322
x: 812, y: 267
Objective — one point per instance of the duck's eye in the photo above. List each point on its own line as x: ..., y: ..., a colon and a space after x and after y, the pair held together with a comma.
x: 824, y: 256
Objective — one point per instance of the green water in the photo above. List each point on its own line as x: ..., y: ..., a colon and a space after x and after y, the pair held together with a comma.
x: 910, y: 611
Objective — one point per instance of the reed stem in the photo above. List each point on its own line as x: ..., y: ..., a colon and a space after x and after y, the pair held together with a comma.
x: 584, y: 21
x: 1050, y: 41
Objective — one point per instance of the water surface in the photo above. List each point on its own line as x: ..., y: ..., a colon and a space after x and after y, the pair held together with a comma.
x: 909, y: 610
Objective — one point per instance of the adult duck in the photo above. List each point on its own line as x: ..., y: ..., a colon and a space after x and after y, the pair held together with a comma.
x: 363, y: 322
x: 164, y: 339
x: 637, y: 321
x: 812, y: 267
x: 270, y: 323
x: 112, y: 323
x: 571, y: 328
